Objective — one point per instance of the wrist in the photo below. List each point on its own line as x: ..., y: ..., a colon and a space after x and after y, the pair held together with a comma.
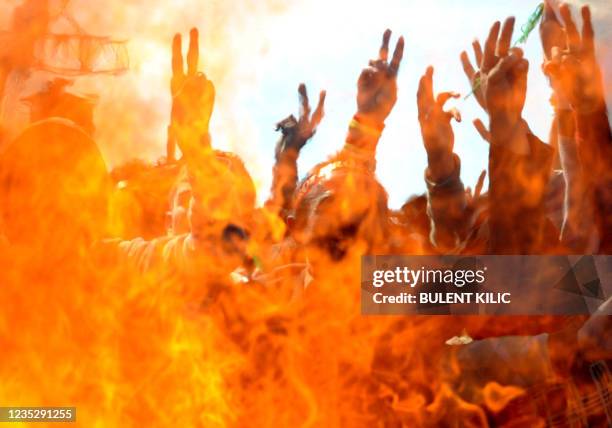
x: 592, y: 101
x: 440, y: 164
x: 559, y: 102
x: 364, y: 131
x: 502, y: 126
x: 194, y: 149
x: 291, y: 139
x: 590, y: 109
x: 369, y: 122
x: 449, y: 181
x: 287, y: 154
x: 510, y: 132
x: 566, y: 124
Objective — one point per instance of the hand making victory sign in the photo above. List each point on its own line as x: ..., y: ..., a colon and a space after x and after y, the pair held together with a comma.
x: 193, y: 97
x: 552, y: 33
x: 377, y: 84
x: 553, y: 38
x: 571, y: 63
x: 297, y: 132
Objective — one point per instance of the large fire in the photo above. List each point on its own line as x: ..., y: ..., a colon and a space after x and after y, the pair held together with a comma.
x: 109, y: 304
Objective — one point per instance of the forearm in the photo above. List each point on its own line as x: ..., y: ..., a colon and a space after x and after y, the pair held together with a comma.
x: 170, y: 145
x: 446, y: 203
x: 595, y: 140
x: 595, y: 151
x: 578, y: 220
x: 518, y: 171
x: 362, y: 139
x: 284, y: 182
x: 285, y: 171
x: 195, y: 144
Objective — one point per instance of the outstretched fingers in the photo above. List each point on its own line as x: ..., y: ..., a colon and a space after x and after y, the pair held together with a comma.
x: 480, y: 184
x: 489, y: 59
x: 468, y: 68
x: 425, y: 97
x: 319, y: 111
x: 383, y: 53
x: 505, y: 39
x: 573, y: 37
x: 398, y: 54
x: 549, y: 14
x: 477, y: 52
x: 588, y: 35
x: 177, y: 56
x: 551, y: 30
x: 193, y: 54
x: 304, y: 102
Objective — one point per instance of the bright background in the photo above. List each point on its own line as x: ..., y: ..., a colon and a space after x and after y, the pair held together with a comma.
x: 257, y: 52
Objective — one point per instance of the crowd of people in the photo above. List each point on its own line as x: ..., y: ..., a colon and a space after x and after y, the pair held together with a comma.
x: 167, y: 283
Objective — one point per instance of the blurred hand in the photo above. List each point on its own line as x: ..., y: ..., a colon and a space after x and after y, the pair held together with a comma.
x: 436, y: 129
x: 472, y: 197
x: 193, y: 97
x: 552, y: 33
x: 297, y: 132
x: 572, y: 66
x: 377, y: 86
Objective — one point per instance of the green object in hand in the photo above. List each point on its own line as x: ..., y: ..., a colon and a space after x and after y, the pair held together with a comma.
x: 530, y: 25
x: 475, y: 87
x: 526, y: 30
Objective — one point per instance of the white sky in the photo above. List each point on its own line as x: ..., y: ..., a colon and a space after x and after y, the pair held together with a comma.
x: 257, y: 52
x: 339, y: 43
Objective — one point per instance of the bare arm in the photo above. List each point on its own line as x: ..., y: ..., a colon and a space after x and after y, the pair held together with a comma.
x: 376, y: 96
x: 295, y: 135
x: 576, y: 77
x: 447, y: 204
x: 519, y: 164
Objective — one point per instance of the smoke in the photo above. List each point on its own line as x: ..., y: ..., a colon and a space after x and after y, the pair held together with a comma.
x: 134, y: 109
x: 256, y: 52
x: 132, y: 113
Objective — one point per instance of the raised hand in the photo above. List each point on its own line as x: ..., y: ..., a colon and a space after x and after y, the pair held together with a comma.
x: 572, y: 65
x: 473, y: 75
x: 552, y: 36
x: 297, y: 132
x: 438, y: 136
x: 377, y: 86
x: 193, y: 98
x: 552, y: 33
x: 501, y: 85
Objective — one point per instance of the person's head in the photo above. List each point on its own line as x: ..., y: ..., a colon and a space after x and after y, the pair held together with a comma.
x: 54, y: 188
x: 414, y: 215
x: 222, y: 193
x: 55, y: 101
x: 344, y: 213
x: 218, y: 200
